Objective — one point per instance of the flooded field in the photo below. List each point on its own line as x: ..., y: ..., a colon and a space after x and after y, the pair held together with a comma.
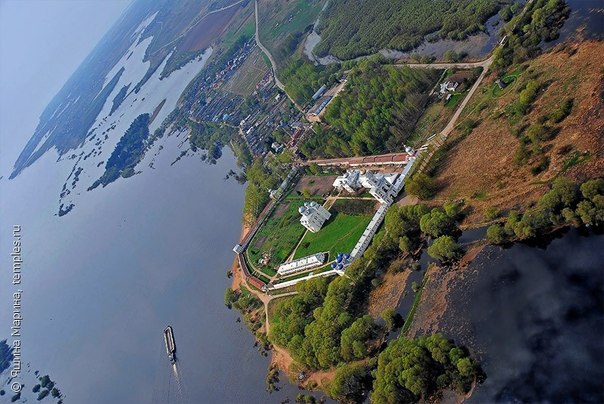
x: 534, y: 317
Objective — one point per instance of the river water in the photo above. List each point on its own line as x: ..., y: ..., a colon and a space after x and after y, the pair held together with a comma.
x: 101, y: 283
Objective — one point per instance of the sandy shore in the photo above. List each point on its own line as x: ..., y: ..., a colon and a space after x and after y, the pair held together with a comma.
x: 237, y: 275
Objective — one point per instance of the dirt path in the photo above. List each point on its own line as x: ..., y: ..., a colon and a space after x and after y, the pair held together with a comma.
x: 273, y: 63
x: 462, y: 65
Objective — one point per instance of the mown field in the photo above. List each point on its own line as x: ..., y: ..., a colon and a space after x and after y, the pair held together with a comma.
x: 279, y: 235
x: 249, y: 74
x: 339, y: 234
x: 283, y: 23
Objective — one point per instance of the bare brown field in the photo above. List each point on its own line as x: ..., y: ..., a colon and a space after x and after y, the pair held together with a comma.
x: 433, y: 303
x: 388, y: 294
x: 316, y: 184
x: 480, y: 167
x: 207, y: 30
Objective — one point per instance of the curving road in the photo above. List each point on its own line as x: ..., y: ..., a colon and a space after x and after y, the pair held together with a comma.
x: 273, y: 63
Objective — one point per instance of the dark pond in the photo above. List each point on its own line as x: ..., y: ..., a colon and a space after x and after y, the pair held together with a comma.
x: 534, y: 316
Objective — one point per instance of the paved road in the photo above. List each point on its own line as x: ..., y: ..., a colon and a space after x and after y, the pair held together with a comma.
x: 273, y: 63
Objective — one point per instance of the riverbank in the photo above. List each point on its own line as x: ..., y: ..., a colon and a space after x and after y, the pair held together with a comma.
x: 238, y: 279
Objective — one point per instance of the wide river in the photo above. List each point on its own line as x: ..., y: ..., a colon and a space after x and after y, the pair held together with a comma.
x: 101, y: 283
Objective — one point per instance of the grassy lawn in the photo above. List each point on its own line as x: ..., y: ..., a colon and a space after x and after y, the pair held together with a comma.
x: 454, y: 100
x: 282, y: 20
x: 246, y: 28
x: 278, y: 236
x: 508, y: 80
x: 339, y: 234
x: 251, y: 72
x: 433, y: 120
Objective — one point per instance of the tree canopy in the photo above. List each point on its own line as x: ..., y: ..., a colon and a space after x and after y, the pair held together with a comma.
x: 410, y: 369
x: 350, y: 28
x: 375, y: 114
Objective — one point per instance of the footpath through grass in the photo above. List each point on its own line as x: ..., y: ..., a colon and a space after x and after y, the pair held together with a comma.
x: 278, y: 236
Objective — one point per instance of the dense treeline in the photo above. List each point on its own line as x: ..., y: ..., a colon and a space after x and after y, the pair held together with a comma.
x: 302, y: 79
x: 262, y: 176
x: 411, y: 369
x: 376, y: 113
x: 526, y: 31
x: 127, y: 153
x: 332, y: 335
x: 119, y: 97
x: 324, y: 324
x: 564, y: 204
x: 6, y: 355
x: 350, y: 28
x: 407, y: 226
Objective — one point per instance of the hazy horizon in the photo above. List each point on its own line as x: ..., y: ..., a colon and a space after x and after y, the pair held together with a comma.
x: 34, y: 70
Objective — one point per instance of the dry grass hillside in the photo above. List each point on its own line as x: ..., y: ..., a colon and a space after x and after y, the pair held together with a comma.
x: 484, y: 166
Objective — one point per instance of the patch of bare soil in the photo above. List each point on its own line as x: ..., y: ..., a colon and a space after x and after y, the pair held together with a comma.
x: 388, y: 294
x: 480, y: 167
x: 284, y: 361
x: 207, y: 30
x: 433, y: 303
x: 316, y: 184
x: 408, y: 200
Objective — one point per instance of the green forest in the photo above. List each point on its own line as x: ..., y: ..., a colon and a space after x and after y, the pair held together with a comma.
x: 565, y: 204
x: 526, y: 31
x: 376, y: 113
x: 127, y: 153
x: 302, y: 79
x: 410, y: 369
x: 351, y: 28
x: 209, y: 136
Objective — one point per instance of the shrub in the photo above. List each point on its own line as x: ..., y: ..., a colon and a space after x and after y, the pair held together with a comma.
x: 592, y: 188
x: 445, y: 248
x: 436, y: 223
x: 496, y: 234
x: 421, y: 185
x: 492, y: 213
x: 390, y: 317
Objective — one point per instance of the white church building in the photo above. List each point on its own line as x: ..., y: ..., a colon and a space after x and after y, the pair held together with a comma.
x: 313, y: 216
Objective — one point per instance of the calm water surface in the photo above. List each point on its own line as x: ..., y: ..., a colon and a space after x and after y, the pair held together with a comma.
x: 534, y: 316
x: 101, y: 283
